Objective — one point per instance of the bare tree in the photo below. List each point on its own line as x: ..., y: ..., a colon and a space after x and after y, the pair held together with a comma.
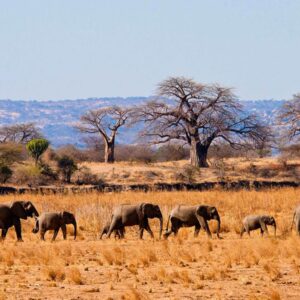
x: 290, y: 116
x: 198, y: 115
x: 105, y: 122
x: 19, y: 133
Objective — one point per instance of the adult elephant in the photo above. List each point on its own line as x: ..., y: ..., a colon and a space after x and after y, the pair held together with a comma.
x: 130, y: 215
x: 189, y: 216
x: 10, y: 215
x: 296, y: 219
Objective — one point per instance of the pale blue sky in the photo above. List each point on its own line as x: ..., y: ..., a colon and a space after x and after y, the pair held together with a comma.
x: 68, y: 49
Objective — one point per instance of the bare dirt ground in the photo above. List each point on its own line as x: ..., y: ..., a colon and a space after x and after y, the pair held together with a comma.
x: 179, y: 268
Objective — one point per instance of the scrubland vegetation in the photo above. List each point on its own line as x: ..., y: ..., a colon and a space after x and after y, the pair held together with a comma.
x: 182, y: 267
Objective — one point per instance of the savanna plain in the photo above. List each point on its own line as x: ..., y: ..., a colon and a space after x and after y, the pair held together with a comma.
x: 181, y: 267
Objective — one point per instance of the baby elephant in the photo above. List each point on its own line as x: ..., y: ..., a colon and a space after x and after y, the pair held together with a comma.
x: 54, y: 221
x: 258, y: 222
x: 119, y: 233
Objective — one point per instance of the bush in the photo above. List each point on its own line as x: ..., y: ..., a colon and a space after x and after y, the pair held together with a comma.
x: 67, y: 167
x: 85, y: 176
x: 5, y: 173
x: 71, y: 151
x: 220, y: 168
x: 47, y: 171
x: 187, y: 174
x: 10, y: 153
x: 29, y: 174
x: 171, y: 152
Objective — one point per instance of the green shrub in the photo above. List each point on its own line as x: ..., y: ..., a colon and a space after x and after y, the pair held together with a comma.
x: 36, y: 148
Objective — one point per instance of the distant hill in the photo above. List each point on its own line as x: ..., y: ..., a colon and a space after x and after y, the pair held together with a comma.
x: 57, y: 118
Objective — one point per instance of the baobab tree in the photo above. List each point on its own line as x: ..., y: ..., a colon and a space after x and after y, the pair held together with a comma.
x: 105, y: 122
x: 198, y: 115
x: 290, y: 117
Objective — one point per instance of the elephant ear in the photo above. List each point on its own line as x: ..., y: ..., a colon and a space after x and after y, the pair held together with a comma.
x: 202, y: 210
x: 141, y: 211
x: 67, y: 217
x: 18, y: 210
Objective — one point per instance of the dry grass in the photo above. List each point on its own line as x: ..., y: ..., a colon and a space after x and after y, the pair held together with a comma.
x: 179, y: 268
x: 180, y: 171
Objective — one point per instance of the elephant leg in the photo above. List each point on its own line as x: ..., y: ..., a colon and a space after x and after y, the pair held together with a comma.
x: 203, y: 223
x: 121, y: 232
x: 141, y: 230
x: 261, y: 232
x: 55, y: 234
x: 42, y: 234
x: 264, y: 228
x: 17, y: 224
x: 176, y: 224
x: 4, y: 232
x: 112, y: 227
x: 298, y: 226
x: 147, y: 227
x: 197, y: 229
x: 64, y: 230
x: 242, y: 231
x: 104, y: 231
x: 247, y: 229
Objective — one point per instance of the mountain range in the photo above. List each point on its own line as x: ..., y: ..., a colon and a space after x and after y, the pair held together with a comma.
x: 56, y: 119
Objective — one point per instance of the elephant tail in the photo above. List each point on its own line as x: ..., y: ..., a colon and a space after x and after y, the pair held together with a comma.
x: 168, y: 223
x: 293, y: 220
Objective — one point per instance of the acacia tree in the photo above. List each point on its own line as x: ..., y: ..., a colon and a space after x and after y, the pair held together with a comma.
x: 105, y: 122
x: 198, y: 115
x: 19, y: 133
x: 36, y: 148
x: 290, y: 116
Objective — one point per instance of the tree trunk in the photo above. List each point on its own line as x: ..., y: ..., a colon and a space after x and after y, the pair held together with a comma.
x: 109, y: 156
x: 198, y: 154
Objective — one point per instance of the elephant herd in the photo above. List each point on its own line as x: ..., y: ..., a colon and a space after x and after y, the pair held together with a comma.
x: 129, y: 215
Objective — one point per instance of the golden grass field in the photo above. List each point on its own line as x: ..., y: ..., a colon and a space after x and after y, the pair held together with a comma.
x: 179, y: 268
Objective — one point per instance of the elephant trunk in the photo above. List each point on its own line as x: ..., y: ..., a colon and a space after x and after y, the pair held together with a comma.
x: 160, y: 226
x: 274, y: 229
x: 219, y: 227
x: 75, y: 229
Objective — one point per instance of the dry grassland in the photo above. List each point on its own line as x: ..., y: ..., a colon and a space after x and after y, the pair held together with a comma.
x: 179, y: 171
x: 180, y: 268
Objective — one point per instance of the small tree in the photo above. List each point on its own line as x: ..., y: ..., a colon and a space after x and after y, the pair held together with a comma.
x: 67, y: 167
x: 105, y: 122
x: 5, y: 173
x: 19, y: 133
x: 36, y: 148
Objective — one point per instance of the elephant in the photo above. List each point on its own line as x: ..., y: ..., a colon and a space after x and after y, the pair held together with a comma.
x: 130, y: 215
x: 296, y: 219
x: 54, y: 221
x: 257, y: 222
x: 119, y: 233
x: 188, y: 216
x: 10, y: 215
